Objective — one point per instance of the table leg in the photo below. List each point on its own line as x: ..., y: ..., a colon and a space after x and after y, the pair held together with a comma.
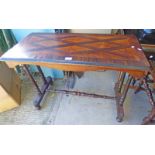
x: 41, y: 92
x: 133, y: 82
x: 121, y: 93
x: 32, y: 79
x: 118, y: 87
x: 71, y: 78
x: 42, y: 74
x: 138, y: 89
x: 119, y: 84
x: 151, y: 116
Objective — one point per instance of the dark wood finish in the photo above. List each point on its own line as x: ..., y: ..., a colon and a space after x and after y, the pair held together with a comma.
x: 121, y: 89
x: 43, y: 89
x: 118, y: 88
x: 151, y: 115
x: 41, y: 92
x: 149, y: 51
x: 120, y: 113
x: 79, y: 93
x: 82, y: 51
x: 139, y: 86
x: 32, y: 79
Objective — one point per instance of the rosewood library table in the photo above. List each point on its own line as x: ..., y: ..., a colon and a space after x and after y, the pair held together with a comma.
x: 85, y: 52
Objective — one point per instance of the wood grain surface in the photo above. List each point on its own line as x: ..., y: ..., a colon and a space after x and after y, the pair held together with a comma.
x: 85, y: 50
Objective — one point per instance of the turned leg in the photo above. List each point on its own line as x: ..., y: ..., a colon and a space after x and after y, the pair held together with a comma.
x: 120, y: 101
x: 119, y: 83
x: 118, y: 88
x: 151, y: 116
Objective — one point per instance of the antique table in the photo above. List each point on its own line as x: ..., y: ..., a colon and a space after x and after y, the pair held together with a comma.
x: 84, y: 52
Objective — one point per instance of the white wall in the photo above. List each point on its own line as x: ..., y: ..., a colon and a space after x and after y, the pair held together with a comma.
x: 97, y: 31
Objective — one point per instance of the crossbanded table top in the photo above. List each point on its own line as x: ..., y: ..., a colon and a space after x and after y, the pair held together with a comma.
x: 122, y: 51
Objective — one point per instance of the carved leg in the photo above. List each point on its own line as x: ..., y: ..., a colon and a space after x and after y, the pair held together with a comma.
x: 42, y: 91
x: 151, y: 116
x: 118, y: 86
x: 119, y: 83
x: 120, y: 80
x: 121, y: 99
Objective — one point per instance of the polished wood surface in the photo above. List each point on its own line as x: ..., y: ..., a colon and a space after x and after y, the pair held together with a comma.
x: 148, y: 46
x: 84, y: 52
x: 79, y: 52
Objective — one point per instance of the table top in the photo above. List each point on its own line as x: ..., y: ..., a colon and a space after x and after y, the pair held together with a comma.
x: 122, y: 51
